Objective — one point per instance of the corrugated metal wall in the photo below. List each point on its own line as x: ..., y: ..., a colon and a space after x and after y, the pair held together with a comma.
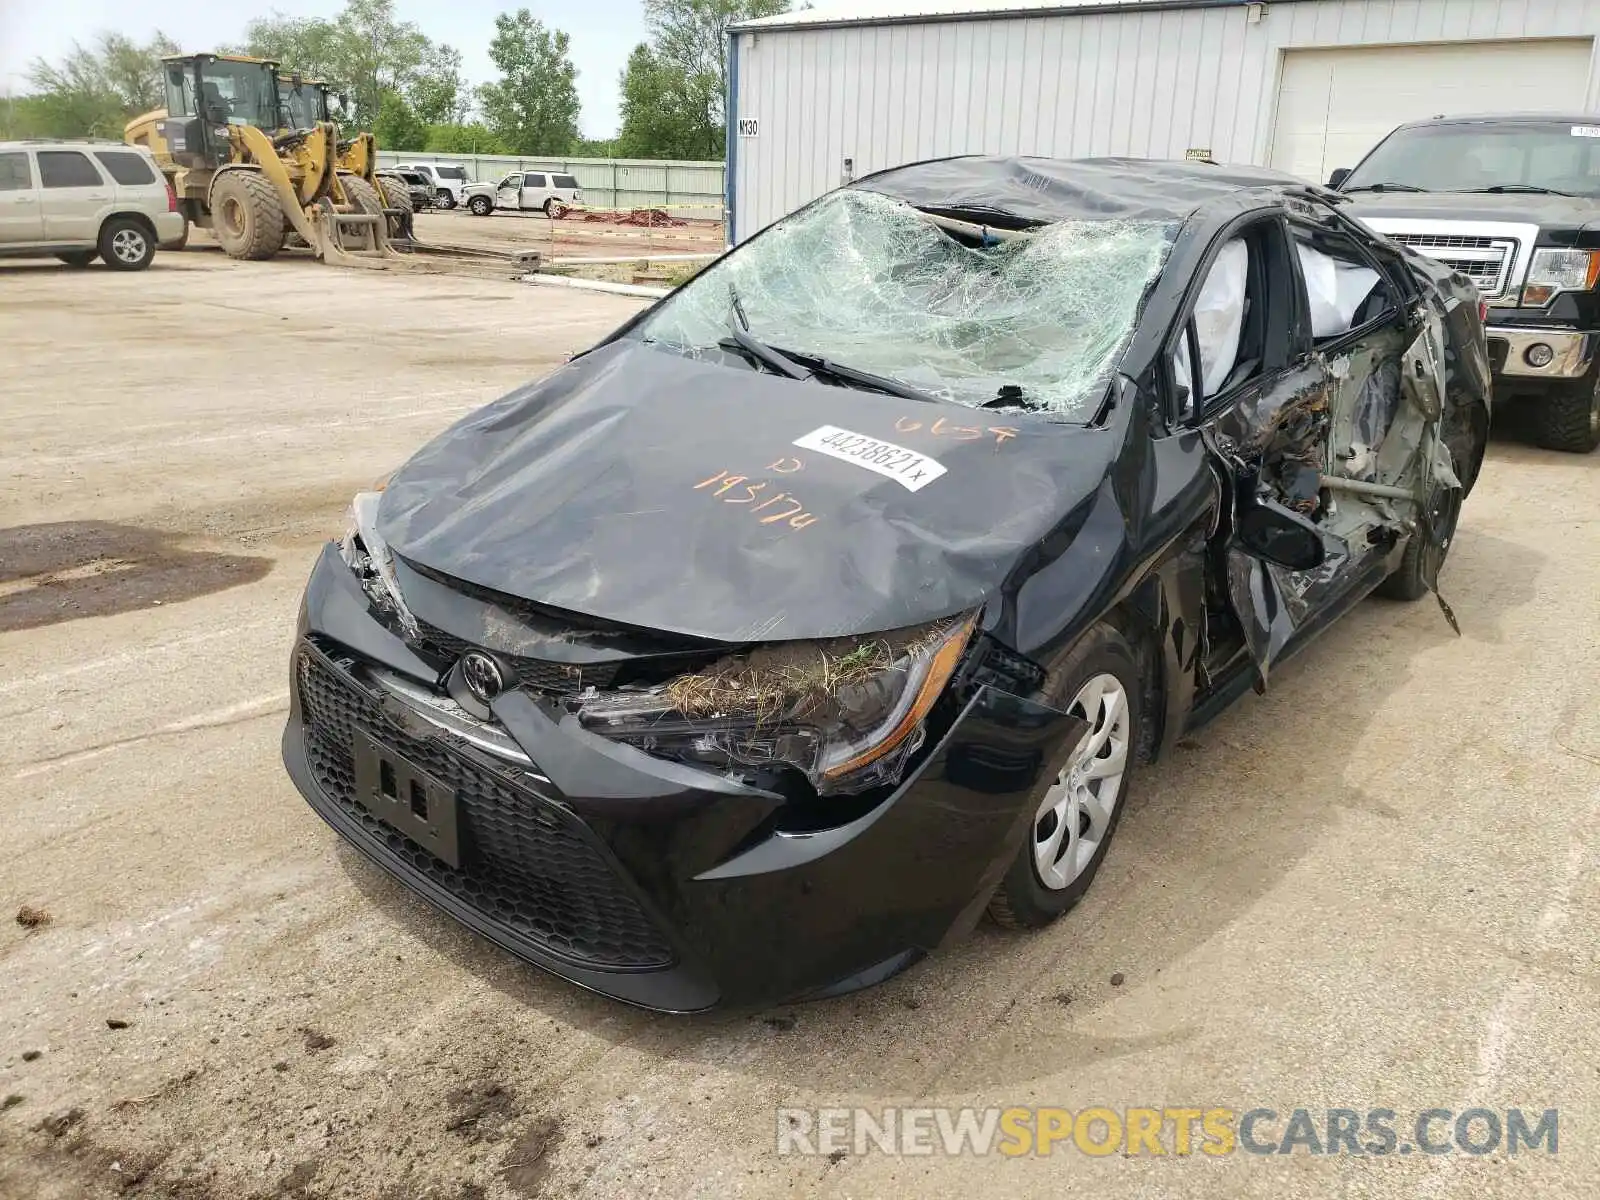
x: 1150, y: 83
x: 606, y: 182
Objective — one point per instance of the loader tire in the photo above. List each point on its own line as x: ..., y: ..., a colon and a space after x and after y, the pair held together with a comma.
x: 247, y: 219
x: 363, y: 196
x: 397, y: 195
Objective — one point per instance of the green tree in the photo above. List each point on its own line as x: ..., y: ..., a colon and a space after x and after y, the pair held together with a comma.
x: 94, y: 89
x: 534, y: 106
x: 659, y: 119
x: 438, y: 95
x: 397, y: 127
x: 673, y: 96
x: 304, y: 44
x: 370, y: 53
x: 474, y: 138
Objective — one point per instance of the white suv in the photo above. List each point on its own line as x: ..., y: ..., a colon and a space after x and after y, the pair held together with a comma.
x: 448, y: 181
x: 553, y: 193
x: 83, y: 200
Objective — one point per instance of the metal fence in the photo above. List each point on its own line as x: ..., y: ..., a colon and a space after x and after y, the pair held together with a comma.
x: 606, y: 182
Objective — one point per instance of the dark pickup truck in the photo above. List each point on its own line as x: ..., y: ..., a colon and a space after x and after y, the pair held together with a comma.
x: 1513, y: 202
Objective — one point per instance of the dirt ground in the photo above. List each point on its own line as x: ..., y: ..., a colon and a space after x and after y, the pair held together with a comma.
x: 1373, y: 887
x: 569, y: 237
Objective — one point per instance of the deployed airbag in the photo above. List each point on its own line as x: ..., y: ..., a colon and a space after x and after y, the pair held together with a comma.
x: 1337, y: 290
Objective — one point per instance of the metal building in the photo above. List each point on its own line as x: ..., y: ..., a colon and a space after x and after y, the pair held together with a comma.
x: 1302, y: 85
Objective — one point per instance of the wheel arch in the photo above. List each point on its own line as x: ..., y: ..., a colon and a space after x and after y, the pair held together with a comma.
x: 1140, y: 618
x: 138, y: 218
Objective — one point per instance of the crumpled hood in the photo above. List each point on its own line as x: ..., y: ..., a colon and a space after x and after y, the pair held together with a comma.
x: 639, y: 486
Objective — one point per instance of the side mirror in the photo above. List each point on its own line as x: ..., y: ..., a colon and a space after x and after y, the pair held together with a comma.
x: 1280, y: 535
x: 1336, y: 180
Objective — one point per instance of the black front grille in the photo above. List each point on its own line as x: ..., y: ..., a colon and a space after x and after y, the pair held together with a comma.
x: 527, y: 864
x: 537, y: 674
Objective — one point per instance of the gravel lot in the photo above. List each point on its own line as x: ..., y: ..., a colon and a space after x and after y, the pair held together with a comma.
x: 1374, y: 887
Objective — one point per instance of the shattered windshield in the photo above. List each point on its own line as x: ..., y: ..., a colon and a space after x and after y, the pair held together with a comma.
x: 870, y: 283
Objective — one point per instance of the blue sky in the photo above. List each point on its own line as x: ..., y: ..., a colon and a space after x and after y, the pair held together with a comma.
x: 602, y: 31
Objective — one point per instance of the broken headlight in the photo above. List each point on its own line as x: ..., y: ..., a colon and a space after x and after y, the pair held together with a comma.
x: 367, y: 554
x: 846, y: 713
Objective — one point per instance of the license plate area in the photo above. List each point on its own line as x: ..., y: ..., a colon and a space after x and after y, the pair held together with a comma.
x: 407, y: 798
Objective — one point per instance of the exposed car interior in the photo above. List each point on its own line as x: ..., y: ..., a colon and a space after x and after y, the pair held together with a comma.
x: 1333, y: 440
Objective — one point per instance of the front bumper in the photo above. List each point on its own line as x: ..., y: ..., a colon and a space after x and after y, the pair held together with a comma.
x: 650, y: 881
x: 1573, y: 352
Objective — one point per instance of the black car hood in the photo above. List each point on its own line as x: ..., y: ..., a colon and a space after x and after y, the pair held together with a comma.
x: 1560, y: 212
x: 596, y: 492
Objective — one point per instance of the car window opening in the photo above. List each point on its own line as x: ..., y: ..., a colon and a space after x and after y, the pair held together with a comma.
x: 952, y: 308
x: 1344, y: 290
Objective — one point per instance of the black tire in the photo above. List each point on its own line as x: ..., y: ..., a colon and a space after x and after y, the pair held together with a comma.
x: 555, y: 209
x: 397, y: 195
x: 126, y: 244
x: 1568, y: 416
x: 246, y: 218
x: 480, y: 206
x: 179, y: 242
x: 444, y: 199
x: 1405, y: 583
x: 363, y: 197
x: 78, y: 258
x: 1023, y: 900
x: 1426, y: 551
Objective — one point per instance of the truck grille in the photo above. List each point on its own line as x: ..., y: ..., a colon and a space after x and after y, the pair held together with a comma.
x: 528, y: 865
x: 1484, y: 260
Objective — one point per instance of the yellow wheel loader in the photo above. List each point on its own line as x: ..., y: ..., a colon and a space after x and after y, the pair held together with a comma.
x: 239, y: 172
x: 306, y: 102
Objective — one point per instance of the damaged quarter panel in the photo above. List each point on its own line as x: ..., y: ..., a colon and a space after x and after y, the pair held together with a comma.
x: 757, y: 651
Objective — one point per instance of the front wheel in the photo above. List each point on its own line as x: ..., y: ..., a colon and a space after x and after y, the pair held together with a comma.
x: 1098, y: 682
x: 1568, y: 417
x: 247, y: 218
x: 480, y: 206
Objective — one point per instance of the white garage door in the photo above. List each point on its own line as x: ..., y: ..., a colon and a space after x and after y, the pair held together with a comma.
x: 1335, y: 105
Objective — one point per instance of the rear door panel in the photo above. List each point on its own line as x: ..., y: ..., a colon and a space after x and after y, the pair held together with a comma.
x: 72, y: 210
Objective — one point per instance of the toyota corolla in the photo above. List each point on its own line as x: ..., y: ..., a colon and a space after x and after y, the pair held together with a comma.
x: 838, y: 598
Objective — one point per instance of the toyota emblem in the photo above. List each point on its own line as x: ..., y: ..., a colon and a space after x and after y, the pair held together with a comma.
x: 482, y: 676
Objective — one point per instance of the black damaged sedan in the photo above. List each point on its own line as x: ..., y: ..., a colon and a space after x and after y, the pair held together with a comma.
x: 836, y: 599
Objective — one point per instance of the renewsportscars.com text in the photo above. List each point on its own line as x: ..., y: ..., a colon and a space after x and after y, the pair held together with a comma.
x: 1169, y: 1130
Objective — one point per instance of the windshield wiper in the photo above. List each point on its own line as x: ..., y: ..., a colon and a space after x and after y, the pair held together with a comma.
x: 856, y: 376
x: 1520, y: 187
x: 1385, y: 187
x: 740, y: 338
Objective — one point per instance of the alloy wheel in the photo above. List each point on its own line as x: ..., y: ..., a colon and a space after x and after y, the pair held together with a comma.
x: 128, y: 245
x: 1075, y: 814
